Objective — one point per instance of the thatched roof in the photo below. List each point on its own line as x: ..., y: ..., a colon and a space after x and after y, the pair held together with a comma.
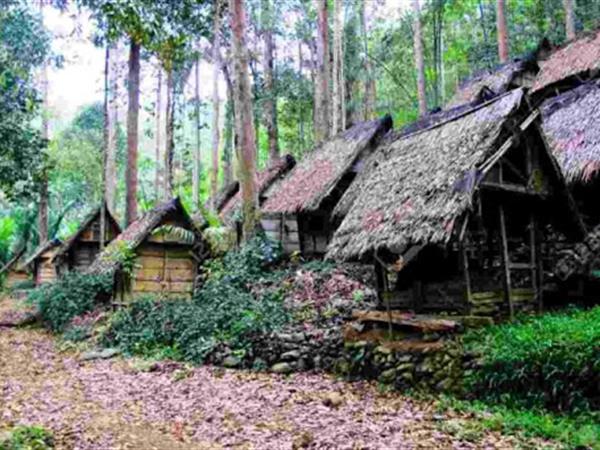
x: 317, y: 175
x: 571, y: 123
x: 423, y: 183
x: 48, y: 248
x: 139, y: 230
x: 231, y: 208
x: 435, y: 117
x: 13, y: 262
x: 576, y: 58
x: 92, y: 216
x: 488, y: 83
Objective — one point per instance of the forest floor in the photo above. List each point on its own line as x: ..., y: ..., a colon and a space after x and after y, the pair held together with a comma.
x: 137, y: 404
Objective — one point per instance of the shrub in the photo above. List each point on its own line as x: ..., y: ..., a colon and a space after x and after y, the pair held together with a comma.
x: 27, y: 438
x: 223, y: 311
x: 551, y: 361
x: 72, y: 295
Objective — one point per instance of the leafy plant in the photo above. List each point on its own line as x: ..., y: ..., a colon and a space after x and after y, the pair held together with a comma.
x: 72, y: 295
x: 551, y: 361
x: 27, y: 438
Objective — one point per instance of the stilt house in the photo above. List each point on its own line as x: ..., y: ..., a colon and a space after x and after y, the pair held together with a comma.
x: 80, y: 250
x: 15, y: 271
x: 41, y: 264
x: 298, y: 210
x: 160, y: 254
x: 453, y: 215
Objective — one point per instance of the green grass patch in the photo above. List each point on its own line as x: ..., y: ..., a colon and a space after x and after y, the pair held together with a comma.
x: 26, y: 438
x: 573, y: 430
x: 547, y: 362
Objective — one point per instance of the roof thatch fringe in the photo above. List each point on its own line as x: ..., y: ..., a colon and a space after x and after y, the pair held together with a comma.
x: 575, y: 58
x: 571, y: 123
x: 315, y: 177
x: 138, y: 231
x: 421, y: 184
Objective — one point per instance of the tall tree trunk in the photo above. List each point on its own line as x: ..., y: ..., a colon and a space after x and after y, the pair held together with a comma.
x: 228, y: 144
x: 157, y: 159
x: 335, y: 78
x: 133, y: 106
x: 216, y: 104
x: 196, y: 170
x: 299, y: 103
x: 105, y: 135
x: 341, y: 75
x: 322, y: 96
x: 419, y: 63
x: 369, y: 100
x: 570, y: 18
x: 43, y: 204
x: 502, y: 31
x: 169, y: 135
x: 270, y: 103
x: 110, y: 173
x: 244, y: 120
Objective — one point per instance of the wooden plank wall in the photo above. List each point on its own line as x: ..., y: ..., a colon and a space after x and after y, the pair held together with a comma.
x: 283, y: 228
x: 83, y: 254
x: 45, y: 271
x: 165, y: 270
x: 14, y: 277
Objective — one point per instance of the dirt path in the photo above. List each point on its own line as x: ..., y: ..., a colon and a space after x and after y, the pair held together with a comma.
x: 117, y: 405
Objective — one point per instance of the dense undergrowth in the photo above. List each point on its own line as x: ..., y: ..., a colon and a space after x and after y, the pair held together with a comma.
x: 26, y: 438
x: 224, y: 311
x: 550, y: 361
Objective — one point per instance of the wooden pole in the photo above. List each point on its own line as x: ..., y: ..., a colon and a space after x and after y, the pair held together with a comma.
x: 505, y: 262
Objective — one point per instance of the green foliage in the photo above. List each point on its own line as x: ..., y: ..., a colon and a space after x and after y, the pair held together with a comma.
x: 551, y: 361
x: 571, y: 430
x: 72, y: 295
x: 223, y: 311
x: 123, y: 254
x: 27, y: 438
x: 23, y: 47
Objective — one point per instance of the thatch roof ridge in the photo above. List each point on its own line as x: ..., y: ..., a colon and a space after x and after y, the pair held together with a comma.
x: 319, y: 172
x: 139, y: 230
x: 486, y: 83
x: 570, y: 59
x: 570, y: 123
x: 42, y: 248
x: 87, y: 221
x: 424, y: 182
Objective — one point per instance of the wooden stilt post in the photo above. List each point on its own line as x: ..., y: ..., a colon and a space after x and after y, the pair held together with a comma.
x: 386, y: 293
x: 506, y: 263
x: 465, y: 264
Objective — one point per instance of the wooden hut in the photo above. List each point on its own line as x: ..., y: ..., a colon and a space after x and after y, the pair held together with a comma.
x: 160, y: 254
x: 80, y: 250
x: 568, y: 66
x: 41, y: 264
x: 298, y: 210
x: 14, y: 270
x: 453, y: 215
x: 489, y: 83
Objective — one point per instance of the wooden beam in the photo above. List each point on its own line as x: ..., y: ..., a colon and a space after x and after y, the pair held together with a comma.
x: 512, y: 188
x: 505, y: 262
x: 465, y: 264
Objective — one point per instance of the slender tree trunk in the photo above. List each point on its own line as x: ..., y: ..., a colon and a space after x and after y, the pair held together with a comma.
x: 335, y: 78
x: 299, y: 103
x: 157, y: 142
x: 169, y: 136
x: 369, y: 100
x: 341, y: 75
x: 322, y: 95
x: 216, y: 103
x: 569, y: 6
x: 419, y: 63
x: 270, y: 103
x: 105, y: 136
x: 503, y: 51
x: 196, y: 170
x: 244, y: 119
x: 43, y: 204
x: 110, y: 173
x: 133, y: 88
x: 228, y: 145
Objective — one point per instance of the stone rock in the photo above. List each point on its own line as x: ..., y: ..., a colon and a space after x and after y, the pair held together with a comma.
x: 333, y: 399
x: 231, y: 362
x: 405, y: 367
x: 445, y: 385
x: 382, y: 349
x: 282, y: 367
x: 404, y: 359
x: 106, y: 353
x: 292, y: 355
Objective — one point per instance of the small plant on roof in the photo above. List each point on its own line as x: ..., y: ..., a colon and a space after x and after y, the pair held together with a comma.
x: 172, y: 232
x: 122, y: 253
